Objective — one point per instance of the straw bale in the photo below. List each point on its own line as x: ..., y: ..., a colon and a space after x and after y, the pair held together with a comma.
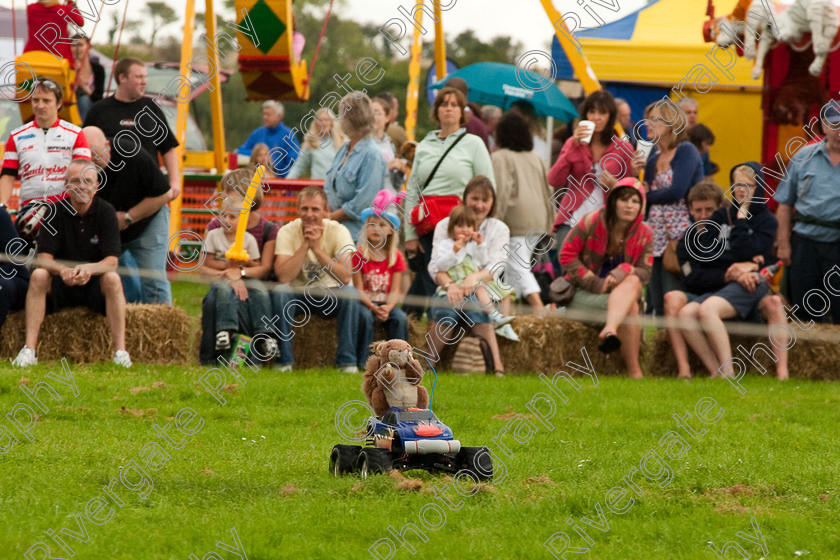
x: 548, y: 343
x: 807, y: 359
x: 314, y: 344
x: 157, y: 334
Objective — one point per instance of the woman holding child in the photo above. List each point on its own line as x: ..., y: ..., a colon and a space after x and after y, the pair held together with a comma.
x: 608, y: 257
x: 485, y: 245
x: 444, y: 161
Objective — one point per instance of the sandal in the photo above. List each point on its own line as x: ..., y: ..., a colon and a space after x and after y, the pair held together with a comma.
x: 610, y: 344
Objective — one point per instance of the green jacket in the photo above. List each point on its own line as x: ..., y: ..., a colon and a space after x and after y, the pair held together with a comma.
x: 468, y: 159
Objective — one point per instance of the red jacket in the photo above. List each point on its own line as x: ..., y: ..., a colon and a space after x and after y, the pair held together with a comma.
x: 585, y: 247
x: 573, y: 169
x: 38, y: 15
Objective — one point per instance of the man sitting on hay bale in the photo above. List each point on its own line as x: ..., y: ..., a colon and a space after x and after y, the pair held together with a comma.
x: 315, y: 252
x: 84, y: 232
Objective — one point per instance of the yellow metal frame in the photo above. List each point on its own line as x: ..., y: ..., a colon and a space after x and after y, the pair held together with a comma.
x: 207, y: 160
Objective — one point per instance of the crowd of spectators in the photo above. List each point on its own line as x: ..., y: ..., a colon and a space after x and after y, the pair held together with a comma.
x: 482, y: 195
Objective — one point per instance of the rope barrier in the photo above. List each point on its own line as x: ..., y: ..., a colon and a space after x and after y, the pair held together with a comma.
x: 590, y: 317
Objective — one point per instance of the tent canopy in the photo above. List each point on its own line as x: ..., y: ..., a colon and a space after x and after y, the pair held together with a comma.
x: 657, y: 44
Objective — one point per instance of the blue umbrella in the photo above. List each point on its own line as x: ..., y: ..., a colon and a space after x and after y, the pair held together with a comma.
x: 492, y: 83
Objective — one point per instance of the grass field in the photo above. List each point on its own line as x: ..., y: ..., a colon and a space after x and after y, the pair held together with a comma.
x: 259, y: 464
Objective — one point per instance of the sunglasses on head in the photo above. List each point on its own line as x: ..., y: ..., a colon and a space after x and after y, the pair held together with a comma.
x: 49, y: 84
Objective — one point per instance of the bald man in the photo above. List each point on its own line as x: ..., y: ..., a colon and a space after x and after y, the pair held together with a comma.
x: 138, y: 190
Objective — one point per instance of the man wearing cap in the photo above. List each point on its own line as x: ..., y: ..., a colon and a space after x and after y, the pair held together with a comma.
x: 808, y: 238
x: 283, y: 147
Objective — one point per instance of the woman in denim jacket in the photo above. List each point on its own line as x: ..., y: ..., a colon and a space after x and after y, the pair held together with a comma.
x: 358, y: 170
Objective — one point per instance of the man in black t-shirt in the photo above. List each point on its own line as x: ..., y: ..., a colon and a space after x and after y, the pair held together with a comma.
x: 82, y: 230
x: 129, y: 118
x: 139, y: 192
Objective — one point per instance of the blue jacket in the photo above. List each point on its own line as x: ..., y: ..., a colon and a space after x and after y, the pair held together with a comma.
x: 704, y: 270
x: 353, y: 185
x: 688, y: 171
x: 278, y: 137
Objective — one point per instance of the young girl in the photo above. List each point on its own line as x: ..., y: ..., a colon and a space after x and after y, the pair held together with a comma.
x: 260, y: 155
x: 379, y: 266
x: 461, y: 254
x: 235, y: 299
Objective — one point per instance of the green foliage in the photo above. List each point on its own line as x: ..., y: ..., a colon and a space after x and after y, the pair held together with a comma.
x: 161, y: 15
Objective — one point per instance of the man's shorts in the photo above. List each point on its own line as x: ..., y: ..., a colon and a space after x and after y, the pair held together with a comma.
x: 744, y: 302
x: 64, y: 296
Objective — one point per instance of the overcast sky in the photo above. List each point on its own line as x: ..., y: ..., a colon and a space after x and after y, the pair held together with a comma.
x: 524, y: 20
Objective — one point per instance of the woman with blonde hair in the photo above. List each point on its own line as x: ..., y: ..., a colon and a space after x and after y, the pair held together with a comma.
x: 669, y: 174
x: 357, y: 172
x: 317, y: 155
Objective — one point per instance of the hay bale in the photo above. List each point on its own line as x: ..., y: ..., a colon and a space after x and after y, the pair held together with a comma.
x: 547, y: 343
x: 154, y: 334
x: 314, y: 344
x: 815, y: 359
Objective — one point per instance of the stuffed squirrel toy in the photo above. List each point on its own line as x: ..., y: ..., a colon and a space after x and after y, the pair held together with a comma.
x: 392, y: 377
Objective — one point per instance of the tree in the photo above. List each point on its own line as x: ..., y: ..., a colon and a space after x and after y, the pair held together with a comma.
x: 161, y: 15
x: 115, y: 27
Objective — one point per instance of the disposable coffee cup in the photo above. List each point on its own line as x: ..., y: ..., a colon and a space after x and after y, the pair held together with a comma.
x: 590, y: 130
x: 643, y: 150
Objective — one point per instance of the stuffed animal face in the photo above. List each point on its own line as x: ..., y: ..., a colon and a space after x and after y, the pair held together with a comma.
x: 395, y: 351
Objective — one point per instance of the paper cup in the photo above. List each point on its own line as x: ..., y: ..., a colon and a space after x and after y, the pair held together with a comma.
x: 590, y: 131
x: 643, y: 150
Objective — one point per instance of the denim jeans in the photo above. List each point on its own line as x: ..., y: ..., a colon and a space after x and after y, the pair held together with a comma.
x: 342, y: 303
x: 396, y: 325
x: 12, y: 295
x: 233, y: 314
x: 148, y: 253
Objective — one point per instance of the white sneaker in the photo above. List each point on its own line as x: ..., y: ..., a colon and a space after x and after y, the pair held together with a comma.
x: 287, y: 367
x: 501, y: 320
x: 121, y: 358
x: 507, y: 331
x: 25, y: 358
x: 349, y: 369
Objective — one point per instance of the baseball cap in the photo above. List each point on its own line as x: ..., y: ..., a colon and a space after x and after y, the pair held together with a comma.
x: 830, y: 112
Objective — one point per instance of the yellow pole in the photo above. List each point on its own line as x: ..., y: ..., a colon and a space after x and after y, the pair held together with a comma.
x: 440, y: 44
x: 237, y: 251
x: 412, y: 93
x: 583, y: 71
x: 216, y: 93
x: 181, y: 124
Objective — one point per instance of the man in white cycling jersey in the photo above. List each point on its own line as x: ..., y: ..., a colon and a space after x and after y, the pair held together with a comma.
x: 39, y: 152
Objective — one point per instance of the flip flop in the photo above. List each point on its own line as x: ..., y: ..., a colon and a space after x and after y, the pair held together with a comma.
x: 610, y: 344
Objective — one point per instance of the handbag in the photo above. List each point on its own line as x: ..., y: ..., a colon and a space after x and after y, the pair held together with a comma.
x: 561, y: 291
x: 426, y: 215
x: 432, y: 209
x: 670, y: 262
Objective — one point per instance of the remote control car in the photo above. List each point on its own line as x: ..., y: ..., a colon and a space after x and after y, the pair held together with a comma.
x: 406, y: 439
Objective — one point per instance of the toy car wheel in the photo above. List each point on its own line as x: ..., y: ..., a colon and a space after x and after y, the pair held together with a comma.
x: 373, y: 461
x: 343, y: 459
x: 476, y: 460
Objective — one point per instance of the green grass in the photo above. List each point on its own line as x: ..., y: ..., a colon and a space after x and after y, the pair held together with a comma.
x: 772, y: 455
